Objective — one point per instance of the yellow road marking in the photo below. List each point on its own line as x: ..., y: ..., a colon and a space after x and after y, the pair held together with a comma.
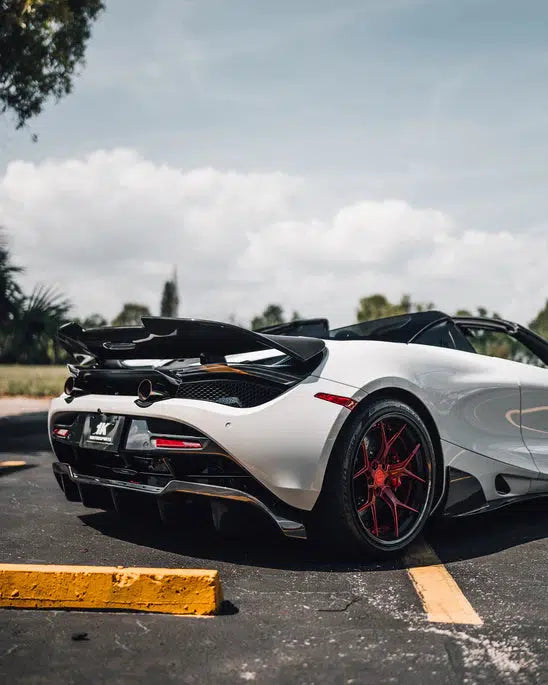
x: 169, y: 591
x: 11, y: 464
x: 441, y: 597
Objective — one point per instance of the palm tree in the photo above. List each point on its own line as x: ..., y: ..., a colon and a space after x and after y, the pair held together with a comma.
x: 32, y: 336
x: 10, y: 292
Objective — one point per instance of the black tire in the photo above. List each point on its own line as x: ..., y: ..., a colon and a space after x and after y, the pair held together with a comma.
x: 357, y: 501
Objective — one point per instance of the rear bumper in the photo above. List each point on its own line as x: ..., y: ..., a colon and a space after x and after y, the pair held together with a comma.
x: 288, y: 527
x: 284, y: 444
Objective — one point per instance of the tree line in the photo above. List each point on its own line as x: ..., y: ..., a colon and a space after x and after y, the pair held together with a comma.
x: 29, y: 322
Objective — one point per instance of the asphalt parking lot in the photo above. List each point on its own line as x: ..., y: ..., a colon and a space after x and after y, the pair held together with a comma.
x: 291, y: 613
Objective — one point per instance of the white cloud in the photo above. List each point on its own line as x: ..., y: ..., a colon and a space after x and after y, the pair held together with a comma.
x: 108, y: 228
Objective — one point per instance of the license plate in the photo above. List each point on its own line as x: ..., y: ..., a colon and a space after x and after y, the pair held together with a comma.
x: 102, y: 431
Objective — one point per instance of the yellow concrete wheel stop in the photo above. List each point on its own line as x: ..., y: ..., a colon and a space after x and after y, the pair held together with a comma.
x: 163, y: 590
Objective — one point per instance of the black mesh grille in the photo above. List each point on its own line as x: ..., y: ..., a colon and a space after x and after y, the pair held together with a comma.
x: 230, y: 392
x: 233, y: 392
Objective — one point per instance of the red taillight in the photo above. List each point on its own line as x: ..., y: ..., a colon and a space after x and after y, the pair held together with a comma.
x: 347, y: 402
x: 61, y: 432
x: 177, y: 444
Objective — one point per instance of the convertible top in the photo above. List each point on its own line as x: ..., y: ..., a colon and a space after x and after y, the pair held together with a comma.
x: 407, y: 328
x: 402, y: 328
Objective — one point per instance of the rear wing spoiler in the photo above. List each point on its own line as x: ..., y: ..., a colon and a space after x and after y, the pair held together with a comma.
x: 167, y: 338
x: 314, y: 328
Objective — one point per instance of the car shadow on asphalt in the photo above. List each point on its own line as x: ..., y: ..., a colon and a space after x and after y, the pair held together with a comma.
x: 266, y: 548
x: 453, y: 540
x: 24, y: 438
x: 484, y: 534
x: 24, y: 424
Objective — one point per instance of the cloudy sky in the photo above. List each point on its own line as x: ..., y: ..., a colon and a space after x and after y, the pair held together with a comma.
x: 306, y: 152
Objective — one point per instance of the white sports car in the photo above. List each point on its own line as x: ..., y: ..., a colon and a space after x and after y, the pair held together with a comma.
x: 353, y: 436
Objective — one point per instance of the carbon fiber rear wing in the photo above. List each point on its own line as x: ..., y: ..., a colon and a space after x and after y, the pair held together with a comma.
x: 166, y: 338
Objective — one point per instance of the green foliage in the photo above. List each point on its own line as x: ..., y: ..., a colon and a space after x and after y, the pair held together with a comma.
x: 94, y: 321
x: 490, y: 343
x: 170, y: 298
x: 31, y: 335
x: 378, y: 306
x: 540, y: 323
x: 28, y: 325
x: 41, y: 44
x: 10, y: 292
x: 501, y: 345
x: 273, y: 314
x: 494, y: 343
x: 131, y: 314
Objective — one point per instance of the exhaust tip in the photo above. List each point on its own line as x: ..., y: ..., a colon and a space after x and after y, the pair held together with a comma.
x: 69, y: 386
x: 144, y: 391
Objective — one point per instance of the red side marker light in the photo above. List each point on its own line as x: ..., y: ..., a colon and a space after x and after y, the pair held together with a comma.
x: 61, y: 432
x: 347, y: 402
x: 170, y: 443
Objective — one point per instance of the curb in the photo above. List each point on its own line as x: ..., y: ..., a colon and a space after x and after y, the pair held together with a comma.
x: 161, y: 590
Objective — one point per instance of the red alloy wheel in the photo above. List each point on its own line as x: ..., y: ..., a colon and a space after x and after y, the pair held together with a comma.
x: 391, y: 479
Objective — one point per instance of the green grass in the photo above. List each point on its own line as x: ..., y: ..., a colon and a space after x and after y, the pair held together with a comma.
x: 33, y: 381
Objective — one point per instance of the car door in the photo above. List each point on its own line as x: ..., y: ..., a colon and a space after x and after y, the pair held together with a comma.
x: 528, y: 354
x: 480, y: 396
x: 534, y: 414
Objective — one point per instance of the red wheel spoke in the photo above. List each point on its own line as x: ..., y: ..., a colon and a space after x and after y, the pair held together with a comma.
x: 360, y: 472
x: 401, y: 466
x: 406, y: 472
x: 392, y: 440
x: 366, y: 506
x: 365, y: 467
x: 405, y: 464
x: 371, y: 504
x: 393, y: 508
x: 384, y: 440
x: 393, y: 503
x: 375, y: 530
x: 365, y: 455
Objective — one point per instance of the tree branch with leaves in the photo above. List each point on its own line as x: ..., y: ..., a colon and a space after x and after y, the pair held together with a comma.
x: 42, y: 43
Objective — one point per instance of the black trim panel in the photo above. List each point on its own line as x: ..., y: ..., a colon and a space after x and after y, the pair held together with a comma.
x: 464, y: 493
